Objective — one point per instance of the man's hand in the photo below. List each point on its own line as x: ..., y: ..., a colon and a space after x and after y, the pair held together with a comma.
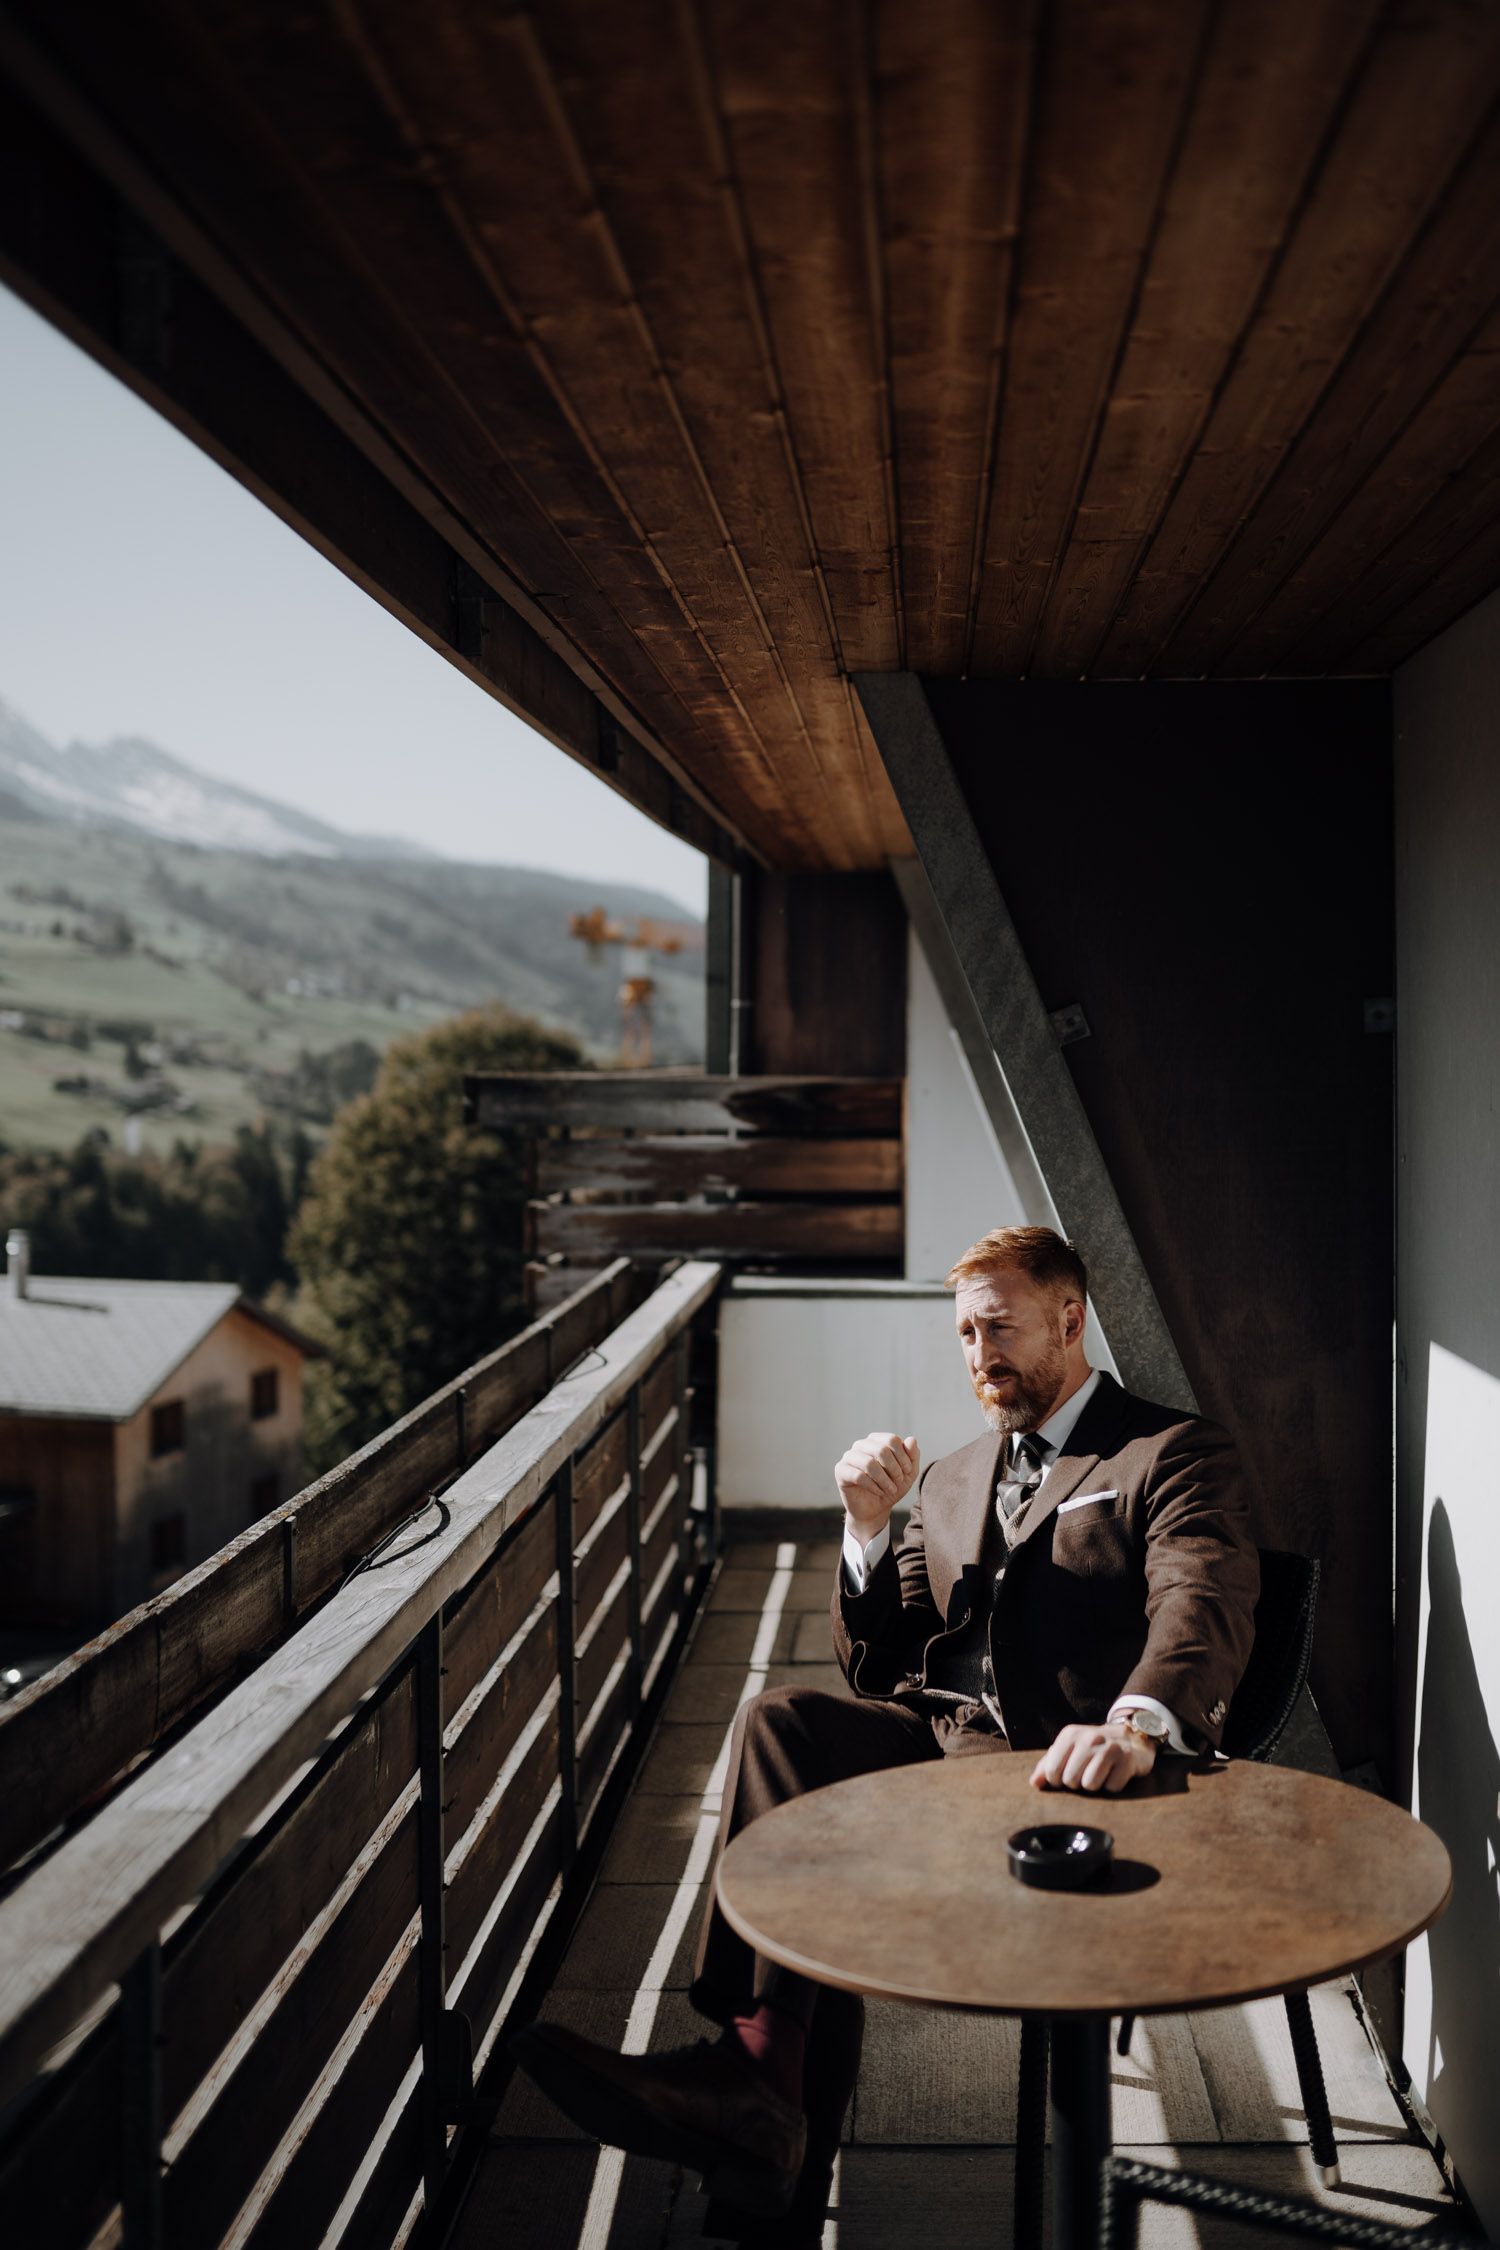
x: 1095, y: 1758
x: 873, y: 1477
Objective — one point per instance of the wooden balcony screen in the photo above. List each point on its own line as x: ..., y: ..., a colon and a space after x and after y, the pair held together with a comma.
x: 319, y: 1901
x: 83, y: 1724
x: 776, y: 1171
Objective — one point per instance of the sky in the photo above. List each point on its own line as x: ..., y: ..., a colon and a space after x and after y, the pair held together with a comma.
x: 144, y: 592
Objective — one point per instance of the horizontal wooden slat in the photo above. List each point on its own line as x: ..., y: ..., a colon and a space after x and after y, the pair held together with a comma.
x: 472, y: 1888
x: 610, y: 1724
x: 688, y: 1165
x: 658, y: 1397
x: 596, y: 1475
x: 657, y: 1470
x: 213, y: 2174
x: 490, y: 1611
x: 645, y: 1102
x: 718, y: 1230
x: 65, y: 1738
x: 654, y: 1544
x: 225, y: 1957
x: 599, y: 1561
x: 612, y: 1631
x: 64, y: 1939
x: 311, y: 2189
x: 60, y: 2174
x: 392, y: 2183
x: 668, y: 1598
x: 474, y: 1761
x: 490, y: 1969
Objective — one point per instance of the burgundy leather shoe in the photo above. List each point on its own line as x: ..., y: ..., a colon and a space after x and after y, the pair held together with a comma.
x: 700, y: 2105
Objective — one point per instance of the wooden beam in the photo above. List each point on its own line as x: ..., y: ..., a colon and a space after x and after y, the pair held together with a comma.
x: 713, y: 1164
x: 1020, y: 1032
x: 220, y: 365
x: 716, y: 1230
x: 645, y: 1102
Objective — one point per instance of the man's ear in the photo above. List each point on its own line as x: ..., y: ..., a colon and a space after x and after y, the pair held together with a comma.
x: 1075, y: 1318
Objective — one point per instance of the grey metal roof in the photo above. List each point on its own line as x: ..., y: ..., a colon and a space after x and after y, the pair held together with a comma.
x: 98, y: 1349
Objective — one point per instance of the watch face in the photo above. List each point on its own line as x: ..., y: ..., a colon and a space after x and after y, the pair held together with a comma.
x: 1147, y: 1723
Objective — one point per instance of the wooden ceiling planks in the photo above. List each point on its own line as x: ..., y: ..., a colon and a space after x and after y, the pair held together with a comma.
x: 1423, y: 90
x: 953, y: 97
x: 1272, y: 78
x: 762, y: 342
x: 685, y: 269
x: 1110, y: 103
x: 1429, y: 316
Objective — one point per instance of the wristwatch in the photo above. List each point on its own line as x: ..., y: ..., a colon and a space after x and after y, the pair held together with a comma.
x: 1149, y: 1724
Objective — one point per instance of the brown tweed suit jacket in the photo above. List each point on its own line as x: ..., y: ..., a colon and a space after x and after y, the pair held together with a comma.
x: 1134, y: 1571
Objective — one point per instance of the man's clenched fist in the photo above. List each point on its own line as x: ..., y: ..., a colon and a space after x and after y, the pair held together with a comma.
x: 1092, y: 1758
x: 873, y: 1477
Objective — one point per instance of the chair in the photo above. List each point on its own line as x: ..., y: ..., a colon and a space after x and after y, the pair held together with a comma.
x: 1263, y: 1704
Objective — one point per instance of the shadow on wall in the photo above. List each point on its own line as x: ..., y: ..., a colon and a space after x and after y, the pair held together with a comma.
x: 1458, y: 1770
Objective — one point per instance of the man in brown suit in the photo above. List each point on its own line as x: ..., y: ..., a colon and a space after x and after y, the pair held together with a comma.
x: 1080, y: 1582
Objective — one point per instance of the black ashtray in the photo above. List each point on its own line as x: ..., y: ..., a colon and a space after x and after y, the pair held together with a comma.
x: 1060, y: 1858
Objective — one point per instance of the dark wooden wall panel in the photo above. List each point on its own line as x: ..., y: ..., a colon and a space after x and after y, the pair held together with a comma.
x: 1207, y: 869
x: 829, y: 975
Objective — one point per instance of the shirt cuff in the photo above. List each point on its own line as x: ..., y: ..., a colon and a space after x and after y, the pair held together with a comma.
x: 1174, y: 1741
x: 860, y: 1560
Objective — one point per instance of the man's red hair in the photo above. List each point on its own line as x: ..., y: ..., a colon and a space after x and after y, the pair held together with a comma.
x: 1039, y: 1253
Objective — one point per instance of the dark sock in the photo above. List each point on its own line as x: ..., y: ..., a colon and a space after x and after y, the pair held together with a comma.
x: 775, y: 2044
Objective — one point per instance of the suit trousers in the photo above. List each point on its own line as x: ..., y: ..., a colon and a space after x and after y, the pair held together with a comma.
x: 786, y: 1742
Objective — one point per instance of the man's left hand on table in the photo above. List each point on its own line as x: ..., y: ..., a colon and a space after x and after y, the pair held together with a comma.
x: 1095, y: 1758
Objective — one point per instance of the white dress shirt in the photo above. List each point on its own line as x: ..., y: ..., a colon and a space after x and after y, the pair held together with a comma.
x: 860, y: 1559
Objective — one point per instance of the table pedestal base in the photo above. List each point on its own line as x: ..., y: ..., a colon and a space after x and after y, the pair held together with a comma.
x: 1080, y: 2127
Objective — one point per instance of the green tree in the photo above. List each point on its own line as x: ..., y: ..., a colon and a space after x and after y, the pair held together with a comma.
x: 199, y: 1214
x: 409, y: 1238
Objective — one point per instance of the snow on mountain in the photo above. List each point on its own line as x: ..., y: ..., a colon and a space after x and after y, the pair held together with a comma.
x: 128, y: 783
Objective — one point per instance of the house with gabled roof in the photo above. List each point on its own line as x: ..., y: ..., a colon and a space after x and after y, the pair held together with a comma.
x: 142, y: 1424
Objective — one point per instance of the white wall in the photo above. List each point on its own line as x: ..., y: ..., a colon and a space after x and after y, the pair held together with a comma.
x: 958, y: 1184
x: 807, y: 1366
x: 1448, y: 1357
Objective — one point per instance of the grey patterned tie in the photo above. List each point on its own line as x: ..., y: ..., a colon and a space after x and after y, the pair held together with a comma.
x: 1028, y: 1465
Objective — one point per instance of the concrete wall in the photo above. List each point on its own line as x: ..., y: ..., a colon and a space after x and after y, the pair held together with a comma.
x: 210, y: 1481
x: 1448, y: 1359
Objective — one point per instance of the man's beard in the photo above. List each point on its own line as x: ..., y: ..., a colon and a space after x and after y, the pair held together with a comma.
x: 1028, y: 1400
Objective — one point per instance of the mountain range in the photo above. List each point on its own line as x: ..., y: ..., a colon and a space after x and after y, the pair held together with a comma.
x: 129, y: 783
x: 149, y: 910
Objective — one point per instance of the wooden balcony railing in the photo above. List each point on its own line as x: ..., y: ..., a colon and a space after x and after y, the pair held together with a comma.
x: 248, y: 2002
x: 89, y: 1720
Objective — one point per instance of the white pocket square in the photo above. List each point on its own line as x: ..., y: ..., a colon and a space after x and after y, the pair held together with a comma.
x: 1084, y: 1500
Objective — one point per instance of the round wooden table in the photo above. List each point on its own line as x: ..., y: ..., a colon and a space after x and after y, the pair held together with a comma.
x: 1229, y: 1882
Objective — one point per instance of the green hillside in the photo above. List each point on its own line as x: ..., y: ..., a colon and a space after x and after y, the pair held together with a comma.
x: 219, y: 987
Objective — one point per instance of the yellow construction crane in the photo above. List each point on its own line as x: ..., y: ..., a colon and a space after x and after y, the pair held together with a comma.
x: 638, y: 988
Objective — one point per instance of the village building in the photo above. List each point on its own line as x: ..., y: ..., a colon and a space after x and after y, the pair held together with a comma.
x: 142, y: 1424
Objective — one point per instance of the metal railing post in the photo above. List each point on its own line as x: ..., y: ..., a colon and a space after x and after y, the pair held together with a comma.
x: 141, y: 2103
x: 687, y: 1546
x: 567, y: 1675
x: 432, y: 1978
x: 447, y: 2041
x: 635, y: 1592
